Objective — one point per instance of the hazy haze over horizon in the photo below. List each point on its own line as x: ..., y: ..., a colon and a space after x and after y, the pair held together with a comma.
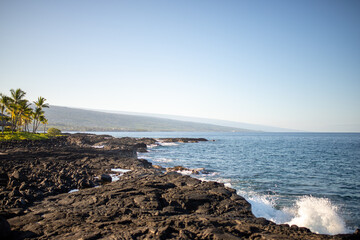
x: 285, y: 64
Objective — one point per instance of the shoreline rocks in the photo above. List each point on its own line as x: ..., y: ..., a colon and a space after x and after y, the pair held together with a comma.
x: 33, y: 170
x: 181, y: 169
x: 144, y: 203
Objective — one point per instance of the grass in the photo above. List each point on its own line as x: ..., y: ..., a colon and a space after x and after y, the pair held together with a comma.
x: 8, y: 136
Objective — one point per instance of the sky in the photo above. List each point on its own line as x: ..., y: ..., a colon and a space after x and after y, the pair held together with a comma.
x: 290, y: 64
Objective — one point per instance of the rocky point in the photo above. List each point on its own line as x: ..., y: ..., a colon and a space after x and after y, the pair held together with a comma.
x: 146, y: 202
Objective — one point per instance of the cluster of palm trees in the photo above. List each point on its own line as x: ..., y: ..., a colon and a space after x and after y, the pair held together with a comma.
x: 20, y: 113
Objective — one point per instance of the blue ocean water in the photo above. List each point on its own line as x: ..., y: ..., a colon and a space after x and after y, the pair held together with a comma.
x: 307, y: 179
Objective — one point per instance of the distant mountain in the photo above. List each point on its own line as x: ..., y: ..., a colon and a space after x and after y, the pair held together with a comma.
x: 75, y: 119
x: 232, y: 124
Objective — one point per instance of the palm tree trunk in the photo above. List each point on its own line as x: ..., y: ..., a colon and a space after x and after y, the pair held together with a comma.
x: 13, y: 125
x: 16, y: 120
x: 34, y: 126
x: 37, y: 126
x: 2, y: 122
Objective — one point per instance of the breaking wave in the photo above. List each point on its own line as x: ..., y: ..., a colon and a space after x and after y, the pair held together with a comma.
x: 320, y: 215
x: 168, y: 144
x: 163, y: 160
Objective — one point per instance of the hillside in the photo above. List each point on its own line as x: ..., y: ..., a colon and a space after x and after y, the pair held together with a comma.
x: 74, y: 119
x: 218, y: 122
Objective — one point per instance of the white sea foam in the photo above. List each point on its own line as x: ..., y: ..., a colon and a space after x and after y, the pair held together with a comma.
x: 115, y: 177
x: 152, y: 145
x: 119, y: 173
x: 207, y: 177
x: 98, y: 146
x: 203, y: 179
x: 211, y: 174
x: 185, y: 172
x: 223, y: 180
x: 264, y: 206
x: 168, y: 144
x: 120, y: 170
x: 73, y: 190
x: 317, y: 214
x: 142, y: 155
x: 163, y: 160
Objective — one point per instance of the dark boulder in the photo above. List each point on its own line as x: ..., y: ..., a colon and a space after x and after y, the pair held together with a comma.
x: 4, y: 228
x: 105, y: 178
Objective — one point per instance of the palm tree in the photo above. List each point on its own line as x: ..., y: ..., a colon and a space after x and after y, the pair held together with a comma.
x: 21, y: 114
x: 38, y: 112
x: 40, y: 103
x: 4, y: 102
x: 14, y: 107
x: 44, y: 121
x: 26, y: 115
x: 17, y: 95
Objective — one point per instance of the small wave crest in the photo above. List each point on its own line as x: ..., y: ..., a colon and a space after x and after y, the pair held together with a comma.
x: 168, y: 144
x: 160, y: 143
x: 185, y: 172
x: 210, y: 176
x: 163, y: 160
x: 152, y: 145
x: 318, y: 214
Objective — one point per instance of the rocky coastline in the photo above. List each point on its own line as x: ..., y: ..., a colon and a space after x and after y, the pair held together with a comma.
x: 146, y: 202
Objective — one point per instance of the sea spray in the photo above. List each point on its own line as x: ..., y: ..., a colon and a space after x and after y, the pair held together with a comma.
x: 280, y: 164
x: 317, y: 214
x: 264, y: 206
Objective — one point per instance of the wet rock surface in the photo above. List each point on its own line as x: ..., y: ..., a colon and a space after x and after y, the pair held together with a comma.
x: 181, y: 169
x: 145, y: 203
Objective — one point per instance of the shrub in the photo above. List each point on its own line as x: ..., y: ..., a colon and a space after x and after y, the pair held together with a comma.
x: 53, y: 131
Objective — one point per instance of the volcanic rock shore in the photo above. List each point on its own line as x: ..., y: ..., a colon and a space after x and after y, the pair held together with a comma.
x: 145, y: 203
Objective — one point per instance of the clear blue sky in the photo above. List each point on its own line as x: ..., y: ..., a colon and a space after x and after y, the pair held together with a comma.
x: 291, y: 64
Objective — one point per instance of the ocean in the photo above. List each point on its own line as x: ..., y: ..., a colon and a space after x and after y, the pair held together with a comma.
x: 307, y: 179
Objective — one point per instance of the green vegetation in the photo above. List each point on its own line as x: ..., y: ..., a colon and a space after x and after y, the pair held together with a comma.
x: 20, y: 114
x: 8, y: 136
x: 53, y: 132
x: 38, y: 113
x: 74, y: 119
